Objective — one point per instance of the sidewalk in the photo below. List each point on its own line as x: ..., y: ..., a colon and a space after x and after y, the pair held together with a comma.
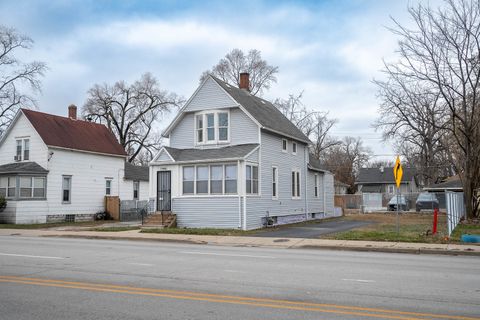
x: 296, y: 243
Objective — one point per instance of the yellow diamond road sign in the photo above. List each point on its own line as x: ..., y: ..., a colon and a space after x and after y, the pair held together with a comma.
x: 398, y: 172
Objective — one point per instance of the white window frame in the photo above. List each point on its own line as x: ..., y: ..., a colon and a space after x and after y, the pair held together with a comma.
x: 391, y: 188
x: 216, y: 127
x: 252, y: 180
x: 275, y: 182
x: 69, y: 189
x: 20, y: 153
x: 285, y: 143
x: 136, y: 187
x: 108, y: 187
x: 198, y: 130
x: 315, y: 187
x: 209, y: 193
x: 295, y: 184
x: 294, y: 148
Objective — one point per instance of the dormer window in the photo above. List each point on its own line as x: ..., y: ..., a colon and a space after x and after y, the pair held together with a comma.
x: 212, y: 127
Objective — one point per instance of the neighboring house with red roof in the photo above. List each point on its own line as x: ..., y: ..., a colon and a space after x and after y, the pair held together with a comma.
x: 55, y: 168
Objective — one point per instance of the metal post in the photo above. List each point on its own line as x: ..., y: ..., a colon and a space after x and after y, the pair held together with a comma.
x: 398, y: 204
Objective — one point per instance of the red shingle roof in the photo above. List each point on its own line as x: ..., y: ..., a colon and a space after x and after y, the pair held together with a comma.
x: 82, y: 135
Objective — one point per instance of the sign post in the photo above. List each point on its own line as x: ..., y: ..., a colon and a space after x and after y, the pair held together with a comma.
x: 398, y: 173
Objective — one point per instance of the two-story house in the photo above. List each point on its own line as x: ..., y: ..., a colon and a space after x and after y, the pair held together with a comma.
x: 55, y: 168
x: 234, y: 159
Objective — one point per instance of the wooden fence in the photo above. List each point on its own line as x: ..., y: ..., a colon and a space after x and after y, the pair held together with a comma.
x: 112, y: 206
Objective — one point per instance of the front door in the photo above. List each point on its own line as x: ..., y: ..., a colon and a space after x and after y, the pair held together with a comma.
x: 164, y: 191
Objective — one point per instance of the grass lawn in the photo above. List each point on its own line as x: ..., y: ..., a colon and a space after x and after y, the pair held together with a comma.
x: 413, y: 227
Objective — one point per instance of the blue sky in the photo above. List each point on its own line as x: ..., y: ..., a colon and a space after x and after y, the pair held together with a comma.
x: 330, y: 49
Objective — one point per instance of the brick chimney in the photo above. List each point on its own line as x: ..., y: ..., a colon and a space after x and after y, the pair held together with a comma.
x: 245, y: 81
x: 72, y: 112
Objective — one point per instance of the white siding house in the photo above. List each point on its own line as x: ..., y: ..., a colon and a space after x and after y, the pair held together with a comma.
x: 56, y: 168
x: 234, y: 160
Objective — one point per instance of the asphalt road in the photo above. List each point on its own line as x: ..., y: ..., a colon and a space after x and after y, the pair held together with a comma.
x: 54, y: 278
x: 312, y: 230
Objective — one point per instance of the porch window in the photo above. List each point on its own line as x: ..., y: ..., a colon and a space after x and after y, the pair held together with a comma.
x: 32, y: 187
x: 215, y: 179
x: 202, y: 179
x: 12, y: 185
x: 252, y: 179
x: 188, y: 180
x: 231, y: 179
x: 3, y: 186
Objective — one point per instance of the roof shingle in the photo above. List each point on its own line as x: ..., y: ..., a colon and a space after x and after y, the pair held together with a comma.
x: 230, y: 152
x: 376, y: 175
x: 57, y: 131
x: 133, y: 172
x: 22, y: 168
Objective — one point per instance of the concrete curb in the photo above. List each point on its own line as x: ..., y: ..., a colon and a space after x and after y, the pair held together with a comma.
x: 239, y: 241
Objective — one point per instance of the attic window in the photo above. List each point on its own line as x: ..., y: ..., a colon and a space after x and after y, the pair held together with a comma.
x: 212, y: 127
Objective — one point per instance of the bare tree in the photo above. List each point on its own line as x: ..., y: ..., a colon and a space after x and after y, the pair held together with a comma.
x: 442, y: 54
x: 346, y: 159
x: 15, y: 74
x: 314, y: 124
x: 132, y: 112
x: 228, y: 69
x: 414, y: 118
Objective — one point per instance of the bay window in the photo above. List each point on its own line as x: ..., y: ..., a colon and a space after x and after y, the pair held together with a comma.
x: 28, y: 187
x: 212, y: 127
x: 215, y: 179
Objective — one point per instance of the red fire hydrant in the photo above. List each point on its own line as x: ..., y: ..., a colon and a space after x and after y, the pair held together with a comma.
x: 435, y: 221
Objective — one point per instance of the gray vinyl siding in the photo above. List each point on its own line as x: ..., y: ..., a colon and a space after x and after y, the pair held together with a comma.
x: 164, y: 157
x: 271, y: 155
x: 254, y: 157
x: 242, y: 130
x: 315, y: 204
x: 329, y: 193
x: 9, y: 214
x: 182, y: 136
x: 207, y: 212
x: 210, y: 96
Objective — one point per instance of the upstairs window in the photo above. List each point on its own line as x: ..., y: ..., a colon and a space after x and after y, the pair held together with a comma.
x: 284, y: 145
x: 212, y: 127
x: 22, y: 151
x: 294, y: 148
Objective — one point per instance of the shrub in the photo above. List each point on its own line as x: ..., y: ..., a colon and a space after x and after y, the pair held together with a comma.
x: 3, y: 203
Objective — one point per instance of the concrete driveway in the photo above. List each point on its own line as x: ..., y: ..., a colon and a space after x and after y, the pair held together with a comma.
x: 311, y: 230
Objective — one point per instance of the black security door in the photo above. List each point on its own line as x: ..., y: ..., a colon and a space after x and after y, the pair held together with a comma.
x: 164, y: 191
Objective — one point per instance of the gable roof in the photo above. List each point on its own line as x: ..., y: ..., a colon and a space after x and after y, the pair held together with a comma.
x: 452, y: 183
x: 230, y: 152
x: 22, y: 168
x: 376, y: 176
x: 133, y: 172
x: 269, y: 117
x: 62, y: 132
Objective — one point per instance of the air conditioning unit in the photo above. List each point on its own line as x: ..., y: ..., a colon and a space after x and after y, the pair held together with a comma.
x: 17, y: 158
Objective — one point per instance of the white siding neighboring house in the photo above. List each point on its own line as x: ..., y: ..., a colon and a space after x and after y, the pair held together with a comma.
x: 56, y: 168
x: 235, y: 160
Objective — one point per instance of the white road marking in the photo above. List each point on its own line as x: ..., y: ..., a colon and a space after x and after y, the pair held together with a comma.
x: 142, y: 264
x: 29, y: 256
x: 359, y: 280
x: 227, y: 254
